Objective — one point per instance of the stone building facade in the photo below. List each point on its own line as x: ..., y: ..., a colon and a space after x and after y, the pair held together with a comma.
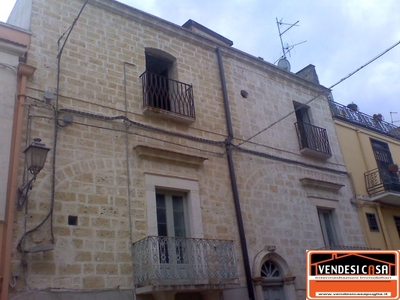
x: 157, y: 183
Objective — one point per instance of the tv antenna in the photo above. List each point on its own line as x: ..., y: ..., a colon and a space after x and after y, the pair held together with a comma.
x: 391, y: 116
x: 282, y: 61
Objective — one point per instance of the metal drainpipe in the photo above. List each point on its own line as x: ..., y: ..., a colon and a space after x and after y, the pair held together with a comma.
x: 239, y: 218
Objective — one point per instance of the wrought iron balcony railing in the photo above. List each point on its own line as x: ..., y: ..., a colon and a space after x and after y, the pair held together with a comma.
x: 167, y: 94
x: 344, y: 113
x: 313, y: 139
x: 380, y: 181
x: 158, y: 259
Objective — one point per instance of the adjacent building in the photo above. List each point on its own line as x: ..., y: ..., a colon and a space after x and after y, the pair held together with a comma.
x: 371, y: 149
x: 180, y: 167
x: 14, y: 44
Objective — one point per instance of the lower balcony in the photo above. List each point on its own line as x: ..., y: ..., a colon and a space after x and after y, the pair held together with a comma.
x: 313, y: 140
x: 383, y: 186
x: 168, y: 263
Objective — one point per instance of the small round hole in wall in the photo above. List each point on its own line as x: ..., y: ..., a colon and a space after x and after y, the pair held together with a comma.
x: 244, y: 93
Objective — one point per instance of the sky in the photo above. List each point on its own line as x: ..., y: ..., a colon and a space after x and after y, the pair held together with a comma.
x: 341, y: 36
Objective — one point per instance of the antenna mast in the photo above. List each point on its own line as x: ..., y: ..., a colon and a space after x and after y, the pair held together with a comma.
x: 283, y: 62
x: 391, y: 116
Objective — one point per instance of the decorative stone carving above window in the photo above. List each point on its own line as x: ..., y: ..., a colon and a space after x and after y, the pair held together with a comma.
x: 321, y: 184
x: 167, y: 155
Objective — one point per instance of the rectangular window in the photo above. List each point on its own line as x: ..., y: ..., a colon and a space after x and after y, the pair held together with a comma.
x: 372, y: 222
x: 327, y: 227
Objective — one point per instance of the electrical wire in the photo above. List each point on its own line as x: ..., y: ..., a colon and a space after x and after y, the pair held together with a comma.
x: 151, y: 138
x: 14, y: 69
x: 69, y: 30
x: 141, y: 125
x: 320, y: 94
x: 289, y: 161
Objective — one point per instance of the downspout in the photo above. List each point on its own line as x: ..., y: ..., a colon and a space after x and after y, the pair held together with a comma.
x: 24, y: 72
x: 128, y: 176
x: 239, y: 218
x: 385, y: 233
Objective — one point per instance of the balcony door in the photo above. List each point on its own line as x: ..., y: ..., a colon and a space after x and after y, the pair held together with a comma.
x: 383, y: 159
x: 172, y: 224
x: 303, y: 121
x: 158, y: 71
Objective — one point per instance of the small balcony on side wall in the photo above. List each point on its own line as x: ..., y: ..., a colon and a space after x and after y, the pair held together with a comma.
x: 383, y: 186
x: 190, y: 264
x: 168, y: 98
x: 313, y: 140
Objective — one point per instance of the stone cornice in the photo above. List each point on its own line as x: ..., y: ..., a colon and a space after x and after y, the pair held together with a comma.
x: 321, y: 184
x: 167, y: 155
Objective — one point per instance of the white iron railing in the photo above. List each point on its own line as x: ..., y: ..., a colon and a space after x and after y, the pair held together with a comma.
x: 157, y: 258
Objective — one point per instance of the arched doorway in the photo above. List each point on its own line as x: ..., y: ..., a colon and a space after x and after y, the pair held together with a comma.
x: 272, y: 281
x: 272, y: 277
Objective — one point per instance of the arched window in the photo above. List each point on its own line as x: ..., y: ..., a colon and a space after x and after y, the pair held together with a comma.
x: 269, y: 269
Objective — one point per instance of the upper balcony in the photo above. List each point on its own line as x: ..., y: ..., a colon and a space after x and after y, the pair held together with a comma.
x: 167, y: 97
x: 342, y: 112
x: 383, y: 186
x: 313, y: 140
x: 169, y: 263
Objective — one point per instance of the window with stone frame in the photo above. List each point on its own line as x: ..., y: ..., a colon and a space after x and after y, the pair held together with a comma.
x: 328, y: 227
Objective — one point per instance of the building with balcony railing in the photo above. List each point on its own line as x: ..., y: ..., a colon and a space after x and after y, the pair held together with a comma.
x: 176, y: 170
x: 166, y: 96
x: 313, y: 140
x: 168, y: 261
x: 371, y: 149
x: 373, y: 123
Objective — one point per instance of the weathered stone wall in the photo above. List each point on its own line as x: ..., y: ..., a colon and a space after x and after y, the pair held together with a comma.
x: 94, y: 155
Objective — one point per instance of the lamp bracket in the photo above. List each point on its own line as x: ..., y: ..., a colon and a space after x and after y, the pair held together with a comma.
x: 23, y: 193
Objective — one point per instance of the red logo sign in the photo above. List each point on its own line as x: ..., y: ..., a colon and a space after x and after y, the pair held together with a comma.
x: 357, y: 275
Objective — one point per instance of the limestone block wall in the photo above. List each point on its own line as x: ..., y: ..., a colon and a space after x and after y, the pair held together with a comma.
x: 96, y: 204
x: 94, y: 218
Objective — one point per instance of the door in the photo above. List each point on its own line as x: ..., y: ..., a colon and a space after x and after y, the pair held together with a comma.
x: 383, y: 159
x: 303, y: 125
x: 273, y: 293
x: 272, y: 281
x: 157, y: 81
x: 172, y: 224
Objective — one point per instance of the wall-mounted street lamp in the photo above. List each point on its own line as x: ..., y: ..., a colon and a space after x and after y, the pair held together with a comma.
x: 35, y: 155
